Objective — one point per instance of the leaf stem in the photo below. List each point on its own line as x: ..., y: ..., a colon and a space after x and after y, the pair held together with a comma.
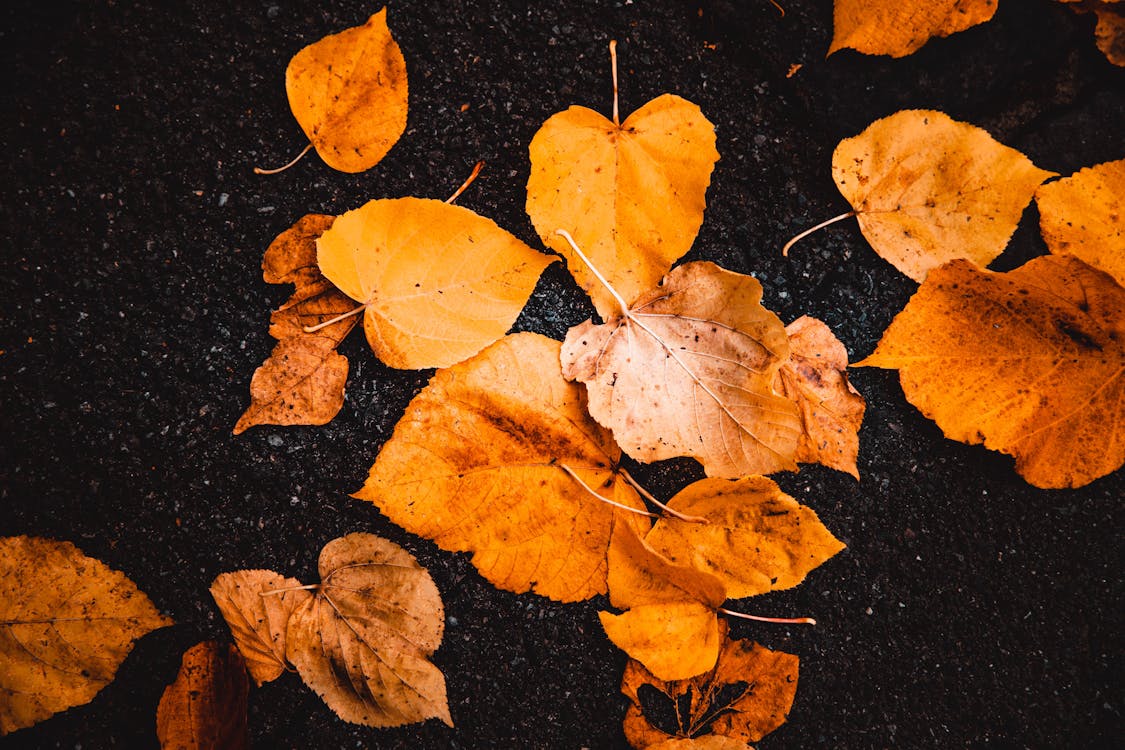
x: 777, y: 620
x: 272, y: 592
x: 472, y: 176
x: 613, y: 67
x: 807, y: 232
x: 588, y: 488
x: 573, y: 246
x: 297, y: 158
x: 777, y: 5
x: 648, y: 496
x: 337, y: 319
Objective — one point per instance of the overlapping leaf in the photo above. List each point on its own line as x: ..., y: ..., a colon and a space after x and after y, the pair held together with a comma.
x: 1082, y: 215
x: 900, y: 27
x: 205, y: 708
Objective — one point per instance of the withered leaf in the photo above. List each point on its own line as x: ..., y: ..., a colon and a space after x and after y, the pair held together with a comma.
x: 688, y: 371
x: 900, y: 27
x: 1110, y: 29
x: 205, y: 708
x: 477, y: 465
x: 67, y: 621
x: 1082, y: 215
x: 1029, y: 362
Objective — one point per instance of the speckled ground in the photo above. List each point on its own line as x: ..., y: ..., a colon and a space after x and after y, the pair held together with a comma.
x: 970, y: 610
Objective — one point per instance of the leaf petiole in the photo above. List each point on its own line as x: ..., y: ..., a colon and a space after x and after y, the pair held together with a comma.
x: 337, y: 319
x: 613, y: 67
x: 807, y: 232
x: 574, y: 475
x: 472, y: 176
x: 597, y: 274
x: 307, y: 587
x: 649, y: 496
x: 777, y: 620
x: 297, y: 158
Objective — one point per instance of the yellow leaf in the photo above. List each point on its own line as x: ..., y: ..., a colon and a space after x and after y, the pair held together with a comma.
x: 67, y: 621
x: 675, y: 640
x: 1029, y: 362
x: 440, y: 282
x: 1084, y: 215
x: 205, y: 708
x: 349, y: 94
x: 640, y: 575
x: 900, y: 27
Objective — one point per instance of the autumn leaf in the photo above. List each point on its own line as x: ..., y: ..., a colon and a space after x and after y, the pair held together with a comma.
x: 631, y: 194
x: 348, y: 92
x: 755, y: 538
x: 205, y: 708
x: 1082, y: 215
x: 927, y: 190
x: 900, y: 27
x: 688, y: 371
x: 364, y: 640
x: 258, y: 618
x: 67, y: 621
x: 1110, y: 29
x: 815, y: 378
x: 745, y: 696
x: 498, y: 456
x: 1029, y: 362
x: 437, y: 281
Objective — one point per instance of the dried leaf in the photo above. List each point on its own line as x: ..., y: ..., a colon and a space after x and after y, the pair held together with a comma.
x: 688, y: 372
x: 756, y: 538
x: 746, y: 696
x: 205, y: 708
x: 706, y: 742
x: 1082, y: 215
x: 475, y: 464
x: 815, y: 378
x: 632, y: 195
x: 258, y: 623
x: 927, y: 189
x: 349, y: 94
x: 1110, y: 31
x: 67, y: 621
x: 302, y: 382
x: 900, y: 27
x: 363, y: 641
x: 440, y: 282
x: 1030, y: 363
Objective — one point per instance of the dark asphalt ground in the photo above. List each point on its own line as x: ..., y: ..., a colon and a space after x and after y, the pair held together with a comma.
x: 969, y: 610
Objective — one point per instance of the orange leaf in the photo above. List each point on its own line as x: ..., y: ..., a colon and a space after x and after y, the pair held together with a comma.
x: 900, y: 27
x: 1030, y: 362
x: 1110, y: 31
x: 440, y: 282
x: 746, y: 696
x: 688, y: 370
x: 476, y: 464
x: 815, y: 378
x: 205, y: 707
x: 1082, y: 215
x: 927, y: 189
x: 349, y: 94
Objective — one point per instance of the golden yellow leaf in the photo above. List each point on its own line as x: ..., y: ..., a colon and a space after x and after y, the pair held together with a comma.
x: 67, y: 621
x: 477, y: 465
x: 364, y: 640
x: 1029, y: 362
x: 745, y: 696
x: 639, y: 575
x: 927, y: 189
x: 1084, y: 215
x: 815, y: 378
x: 440, y: 282
x: 205, y: 708
x: 632, y: 195
x: 900, y: 27
x: 349, y: 94
x: 258, y: 623
x: 688, y: 371
x: 755, y: 539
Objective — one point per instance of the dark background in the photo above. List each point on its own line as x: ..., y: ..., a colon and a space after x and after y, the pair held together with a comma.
x: 969, y: 610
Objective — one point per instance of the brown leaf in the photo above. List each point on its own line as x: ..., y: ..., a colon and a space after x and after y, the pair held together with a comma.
x: 688, y: 371
x: 1110, y: 30
x: 205, y: 708
x: 258, y: 623
x: 67, y: 621
x: 364, y: 640
x: 476, y: 464
x: 746, y: 696
x: 1029, y: 362
x: 815, y: 378
x: 349, y: 94
x: 302, y: 382
x: 1082, y: 215
x: 900, y: 27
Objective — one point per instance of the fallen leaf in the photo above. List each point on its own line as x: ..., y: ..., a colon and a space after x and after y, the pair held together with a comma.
x: 688, y: 371
x: 745, y: 696
x: 1029, y: 362
x: 439, y: 282
x: 706, y: 742
x: 349, y: 94
x: 67, y: 621
x: 259, y: 622
x: 364, y: 640
x: 900, y: 27
x: 476, y: 465
x: 756, y: 539
x: 631, y: 194
x: 1082, y: 215
x: 205, y: 708
x: 927, y: 189
x: 815, y: 378
x: 1110, y: 30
